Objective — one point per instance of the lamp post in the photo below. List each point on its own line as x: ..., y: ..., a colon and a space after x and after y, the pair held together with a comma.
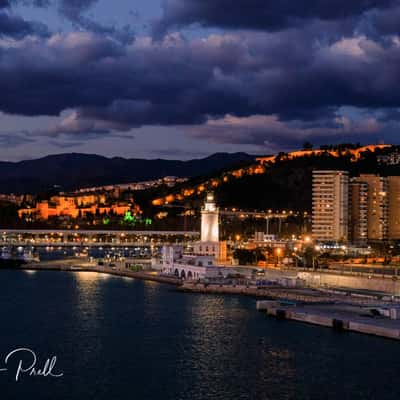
x: 278, y: 253
x: 317, y: 249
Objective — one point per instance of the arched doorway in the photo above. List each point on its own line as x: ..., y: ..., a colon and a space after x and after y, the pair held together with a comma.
x: 183, y: 274
x: 190, y: 275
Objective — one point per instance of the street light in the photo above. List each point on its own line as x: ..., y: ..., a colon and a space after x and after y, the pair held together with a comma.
x: 278, y: 253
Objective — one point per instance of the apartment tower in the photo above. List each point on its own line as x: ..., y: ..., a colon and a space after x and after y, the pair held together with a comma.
x: 330, y: 205
x: 378, y: 206
x: 394, y: 207
x: 358, y: 206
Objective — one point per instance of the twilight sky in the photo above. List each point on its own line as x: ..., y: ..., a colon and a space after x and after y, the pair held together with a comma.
x: 187, y: 78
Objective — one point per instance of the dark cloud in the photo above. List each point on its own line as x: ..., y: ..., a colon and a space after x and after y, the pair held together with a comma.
x: 72, y: 8
x: 286, y: 80
x: 268, y: 15
x: 381, y: 22
x: 16, y: 27
x: 65, y: 145
x: 34, y: 3
x: 298, y: 87
x: 12, y: 139
x: 74, y: 11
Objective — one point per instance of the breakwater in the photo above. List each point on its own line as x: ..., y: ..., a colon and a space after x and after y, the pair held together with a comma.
x: 299, y: 295
x: 77, y: 265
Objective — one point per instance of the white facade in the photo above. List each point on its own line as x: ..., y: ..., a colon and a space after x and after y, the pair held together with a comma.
x: 330, y: 205
x: 207, y: 249
x: 261, y: 237
x: 188, y: 266
x: 210, y: 220
x: 171, y: 253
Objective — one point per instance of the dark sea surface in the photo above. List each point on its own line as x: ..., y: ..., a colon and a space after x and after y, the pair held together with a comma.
x: 118, y: 338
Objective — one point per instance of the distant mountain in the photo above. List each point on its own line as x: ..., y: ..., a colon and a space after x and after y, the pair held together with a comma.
x: 76, y: 170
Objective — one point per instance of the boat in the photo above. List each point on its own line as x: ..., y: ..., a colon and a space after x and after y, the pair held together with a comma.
x: 29, y: 255
x: 82, y: 253
x: 10, y: 257
x: 6, y: 253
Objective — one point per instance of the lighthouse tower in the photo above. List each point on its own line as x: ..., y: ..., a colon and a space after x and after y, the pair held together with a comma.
x: 210, y: 220
x: 210, y: 244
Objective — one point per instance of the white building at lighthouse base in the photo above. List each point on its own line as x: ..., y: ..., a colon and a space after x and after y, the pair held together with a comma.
x: 188, y: 266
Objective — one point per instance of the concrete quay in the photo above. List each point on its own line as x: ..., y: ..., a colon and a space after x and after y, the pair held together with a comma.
x: 298, y: 295
x: 372, y: 282
x: 387, y: 285
x: 340, y: 317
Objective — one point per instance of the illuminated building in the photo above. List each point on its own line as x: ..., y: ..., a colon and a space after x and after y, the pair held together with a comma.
x: 208, y: 255
x: 175, y: 262
x: 373, y: 207
x: 383, y: 211
x: 210, y: 245
x: 358, y: 221
x: 377, y: 215
x: 394, y: 207
x: 330, y: 205
x: 390, y: 159
x: 75, y: 206
x: 210, y: 220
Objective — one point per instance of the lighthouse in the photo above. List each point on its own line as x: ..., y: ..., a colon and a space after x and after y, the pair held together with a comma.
x: 210, y: 244
x: 210, y: 220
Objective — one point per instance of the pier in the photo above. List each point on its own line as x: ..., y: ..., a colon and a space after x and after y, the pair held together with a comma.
x: 376, y: 319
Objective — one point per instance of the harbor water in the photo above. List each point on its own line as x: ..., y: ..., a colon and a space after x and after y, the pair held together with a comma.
x: 119, y: 338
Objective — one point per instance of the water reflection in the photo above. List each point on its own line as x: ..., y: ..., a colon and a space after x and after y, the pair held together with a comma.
x: 30, y: 272
x: 219, y: 349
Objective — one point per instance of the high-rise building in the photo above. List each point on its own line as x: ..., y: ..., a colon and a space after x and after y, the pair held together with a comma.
x: 378, y: 206
x: 394, y: 207
x: 330, y: 205
x: 358, y: 216
x: 369, y: 205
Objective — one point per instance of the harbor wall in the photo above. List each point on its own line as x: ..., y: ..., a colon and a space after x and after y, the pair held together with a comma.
x: 379, y: 284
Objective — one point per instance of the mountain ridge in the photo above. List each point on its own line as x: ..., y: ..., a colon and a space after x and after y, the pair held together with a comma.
x: 75, y: 170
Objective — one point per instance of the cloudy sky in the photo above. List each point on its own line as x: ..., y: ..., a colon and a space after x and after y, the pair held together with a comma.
x: 186, y: 78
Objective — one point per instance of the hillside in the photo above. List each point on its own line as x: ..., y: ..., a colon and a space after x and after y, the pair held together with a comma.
x: 285, y: 183
x: 70, y: 171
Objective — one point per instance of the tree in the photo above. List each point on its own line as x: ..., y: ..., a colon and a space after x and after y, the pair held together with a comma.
x: 248, y: 257
x: 307, y: 146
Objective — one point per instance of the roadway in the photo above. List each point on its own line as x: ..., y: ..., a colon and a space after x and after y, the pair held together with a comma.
x: 96, y: 232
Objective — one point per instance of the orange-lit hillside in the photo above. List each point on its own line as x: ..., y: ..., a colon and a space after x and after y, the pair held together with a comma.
x: 74, y: 206
x: 260, y: 168
x: 209, y: 184
x: 355, y: 153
